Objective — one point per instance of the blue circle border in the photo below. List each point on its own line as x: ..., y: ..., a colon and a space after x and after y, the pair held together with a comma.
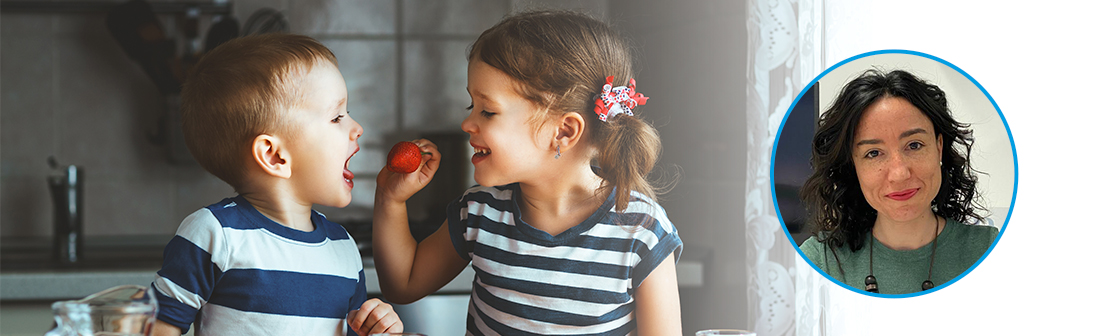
x: 1015, y: 171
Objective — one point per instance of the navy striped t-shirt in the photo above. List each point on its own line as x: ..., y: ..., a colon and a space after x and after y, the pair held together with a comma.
x: 231, y: 271
x: 580, y: 282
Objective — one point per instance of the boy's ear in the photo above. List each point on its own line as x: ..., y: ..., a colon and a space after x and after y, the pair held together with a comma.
x: 571, y: 126
x: 269, y: 154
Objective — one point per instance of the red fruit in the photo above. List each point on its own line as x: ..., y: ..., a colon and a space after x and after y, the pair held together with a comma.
x: 405, y: 157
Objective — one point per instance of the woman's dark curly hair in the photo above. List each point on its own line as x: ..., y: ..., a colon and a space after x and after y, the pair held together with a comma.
x: 835, y: 205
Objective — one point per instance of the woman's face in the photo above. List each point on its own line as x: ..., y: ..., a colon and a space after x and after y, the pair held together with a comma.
x: 897, y: 157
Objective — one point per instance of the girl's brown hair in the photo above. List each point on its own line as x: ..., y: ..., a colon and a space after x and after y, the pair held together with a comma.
x: 560, y: 61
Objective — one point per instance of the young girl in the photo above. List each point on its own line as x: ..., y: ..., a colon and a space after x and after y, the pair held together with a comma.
x: 559, y: 245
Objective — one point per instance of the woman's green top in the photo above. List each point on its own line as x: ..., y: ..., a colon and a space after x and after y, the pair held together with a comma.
x: 901, y: 272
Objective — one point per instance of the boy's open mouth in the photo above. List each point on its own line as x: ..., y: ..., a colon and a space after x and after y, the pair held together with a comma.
x: 346, y: 174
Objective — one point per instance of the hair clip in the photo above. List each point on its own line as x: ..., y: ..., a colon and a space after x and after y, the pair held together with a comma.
x: 617, y: 100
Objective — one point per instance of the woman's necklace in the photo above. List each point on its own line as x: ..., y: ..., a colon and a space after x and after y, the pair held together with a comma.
x: 871, y: 281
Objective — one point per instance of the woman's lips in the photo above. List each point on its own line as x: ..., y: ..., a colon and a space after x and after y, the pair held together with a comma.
x: 903, y: 195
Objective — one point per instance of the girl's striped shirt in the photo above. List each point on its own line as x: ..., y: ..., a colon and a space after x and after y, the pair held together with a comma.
x: 580, y: 282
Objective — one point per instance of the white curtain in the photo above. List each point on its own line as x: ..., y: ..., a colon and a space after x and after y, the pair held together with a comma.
x: 784, y: 55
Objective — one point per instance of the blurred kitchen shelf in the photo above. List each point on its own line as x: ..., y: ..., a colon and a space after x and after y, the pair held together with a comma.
x: 205, y: 7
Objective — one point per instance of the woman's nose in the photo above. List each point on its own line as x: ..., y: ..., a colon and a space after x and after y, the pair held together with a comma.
x: 899, y: 168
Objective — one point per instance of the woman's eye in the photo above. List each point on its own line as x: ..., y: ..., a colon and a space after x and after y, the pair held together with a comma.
x: 337, y: 119
x: 915, y: 145
x: 872, y: 154
x: 470, y: 108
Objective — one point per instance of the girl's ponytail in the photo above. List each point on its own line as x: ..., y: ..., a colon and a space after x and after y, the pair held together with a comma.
x: 628, y: 151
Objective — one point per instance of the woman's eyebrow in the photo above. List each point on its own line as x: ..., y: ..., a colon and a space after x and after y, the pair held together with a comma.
x: 868, y: 142
x: 907, y: 133
x: 912, y: 132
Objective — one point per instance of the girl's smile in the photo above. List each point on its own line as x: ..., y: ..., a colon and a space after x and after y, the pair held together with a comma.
x: 479, y: 153
x: 503, y: 128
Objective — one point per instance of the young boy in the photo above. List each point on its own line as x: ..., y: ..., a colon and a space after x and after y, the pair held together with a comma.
x: 267, y: 115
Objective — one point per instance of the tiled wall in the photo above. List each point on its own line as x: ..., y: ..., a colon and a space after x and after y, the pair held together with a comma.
x: 70, y: 91
x: 691, y: 62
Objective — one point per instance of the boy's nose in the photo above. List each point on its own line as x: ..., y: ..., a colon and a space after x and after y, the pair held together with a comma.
x: 357, y: 131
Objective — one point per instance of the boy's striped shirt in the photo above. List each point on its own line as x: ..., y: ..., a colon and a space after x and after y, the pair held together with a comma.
x: 231, y: 271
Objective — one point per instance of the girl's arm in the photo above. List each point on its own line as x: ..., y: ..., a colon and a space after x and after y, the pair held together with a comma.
x: 657, y: 302
x: 165, y: 329
x: 409, y: 270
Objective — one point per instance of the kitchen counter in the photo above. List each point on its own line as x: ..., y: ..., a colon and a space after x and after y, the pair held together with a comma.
x: 28, y: 274
x: 73, y: 284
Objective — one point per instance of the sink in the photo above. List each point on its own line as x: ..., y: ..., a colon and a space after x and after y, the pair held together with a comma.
x: 19, y: 254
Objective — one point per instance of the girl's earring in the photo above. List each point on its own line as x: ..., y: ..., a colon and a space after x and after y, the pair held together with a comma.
x: 558, y: 151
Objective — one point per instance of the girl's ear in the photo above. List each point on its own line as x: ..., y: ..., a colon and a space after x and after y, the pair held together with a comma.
x: 571, y: 127
x: 269, y: 154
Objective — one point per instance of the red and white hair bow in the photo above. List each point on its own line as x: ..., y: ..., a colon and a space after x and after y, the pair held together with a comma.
x: 617, y: 100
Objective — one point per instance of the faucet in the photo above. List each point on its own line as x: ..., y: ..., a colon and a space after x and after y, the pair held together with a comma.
x: 66, y: 196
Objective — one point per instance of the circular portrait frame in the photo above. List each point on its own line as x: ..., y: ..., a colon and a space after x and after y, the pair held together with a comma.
x: 992, y: 183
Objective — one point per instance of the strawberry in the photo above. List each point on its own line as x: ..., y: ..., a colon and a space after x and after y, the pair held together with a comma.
x: 405, y: 157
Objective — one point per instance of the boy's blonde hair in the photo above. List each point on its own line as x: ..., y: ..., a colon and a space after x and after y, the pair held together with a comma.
x: 242, y: 89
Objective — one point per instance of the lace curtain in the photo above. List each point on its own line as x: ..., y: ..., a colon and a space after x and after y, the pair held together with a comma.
x: 785, y: 54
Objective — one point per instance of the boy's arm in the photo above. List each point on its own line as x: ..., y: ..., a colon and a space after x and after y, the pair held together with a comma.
x: 409, y: 270
x: 193, y: 261
x: 657, y: 302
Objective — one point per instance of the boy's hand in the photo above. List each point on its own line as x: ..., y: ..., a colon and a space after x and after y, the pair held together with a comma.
x: 398, y: 187
x: 374, y: 317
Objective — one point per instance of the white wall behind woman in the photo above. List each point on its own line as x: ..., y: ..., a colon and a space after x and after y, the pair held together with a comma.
x: 1049, y: 67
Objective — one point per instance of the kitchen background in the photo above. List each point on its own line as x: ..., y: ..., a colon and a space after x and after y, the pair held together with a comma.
x: 71, y: 92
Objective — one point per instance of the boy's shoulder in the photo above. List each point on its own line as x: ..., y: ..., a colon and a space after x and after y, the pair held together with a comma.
x: 230, y: 212
x: 210, y: 220
x: 236, y: 213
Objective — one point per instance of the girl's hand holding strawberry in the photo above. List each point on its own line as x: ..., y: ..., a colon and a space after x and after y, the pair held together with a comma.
x: 420, y: 156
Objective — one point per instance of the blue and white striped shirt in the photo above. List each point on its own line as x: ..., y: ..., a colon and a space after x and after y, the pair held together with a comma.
x: 232, y: 271
x: 580, y: 282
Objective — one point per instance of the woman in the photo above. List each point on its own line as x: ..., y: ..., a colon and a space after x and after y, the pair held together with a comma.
x: 892, y: 187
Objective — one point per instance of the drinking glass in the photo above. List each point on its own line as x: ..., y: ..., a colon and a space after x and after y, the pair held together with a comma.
x: 127, y: 310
